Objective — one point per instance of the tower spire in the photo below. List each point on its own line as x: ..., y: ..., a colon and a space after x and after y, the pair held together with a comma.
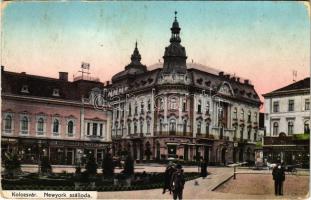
x: 136, y: 57
x: 175, y: 54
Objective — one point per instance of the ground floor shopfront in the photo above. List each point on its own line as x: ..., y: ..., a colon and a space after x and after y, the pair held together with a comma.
x: 218, y: 152
x: 59, y: 152
x: 286, y: 149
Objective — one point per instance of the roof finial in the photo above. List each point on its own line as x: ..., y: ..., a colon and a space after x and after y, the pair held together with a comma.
x: 136, y: 44
x: 175, y: 15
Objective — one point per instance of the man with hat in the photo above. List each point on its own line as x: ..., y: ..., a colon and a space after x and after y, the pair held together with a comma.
x: 278, y: 174
x: 170, y: 169
x: 177, y: 182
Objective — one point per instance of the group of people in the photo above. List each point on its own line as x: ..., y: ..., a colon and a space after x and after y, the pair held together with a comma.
x: 278, y: 174
x: 174, y: 179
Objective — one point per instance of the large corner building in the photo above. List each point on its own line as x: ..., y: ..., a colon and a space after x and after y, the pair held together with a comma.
x: 182, y: 110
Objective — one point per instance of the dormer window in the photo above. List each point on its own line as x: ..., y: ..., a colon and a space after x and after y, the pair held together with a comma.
x: 56, y: 92
x: 25, y: 89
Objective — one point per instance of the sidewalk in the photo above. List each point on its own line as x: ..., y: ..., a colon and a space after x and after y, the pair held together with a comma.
x: 191, y: 191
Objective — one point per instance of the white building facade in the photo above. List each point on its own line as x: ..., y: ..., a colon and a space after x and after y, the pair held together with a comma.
x: 287, y: 110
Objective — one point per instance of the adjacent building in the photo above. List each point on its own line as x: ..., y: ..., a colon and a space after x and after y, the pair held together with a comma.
x: 182, y: 110
x: 43, y: 116
x: 287, y: 122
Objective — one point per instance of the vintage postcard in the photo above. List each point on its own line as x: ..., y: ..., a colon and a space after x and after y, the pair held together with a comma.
x: 155, y: 99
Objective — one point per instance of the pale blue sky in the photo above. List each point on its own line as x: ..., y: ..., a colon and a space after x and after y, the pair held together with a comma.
x: 245, y: 38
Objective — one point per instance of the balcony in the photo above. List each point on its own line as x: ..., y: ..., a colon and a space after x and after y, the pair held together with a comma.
x: 175, y: 134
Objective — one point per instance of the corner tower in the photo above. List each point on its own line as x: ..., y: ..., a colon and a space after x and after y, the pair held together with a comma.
x: 175, y: 54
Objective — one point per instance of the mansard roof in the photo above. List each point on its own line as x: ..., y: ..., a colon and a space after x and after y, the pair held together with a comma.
x: 299, y: 87
x: 40, y: 86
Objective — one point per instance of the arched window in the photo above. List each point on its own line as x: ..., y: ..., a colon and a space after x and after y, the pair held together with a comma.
x: 40, y: 125
x: 141, y: 126
x: 161, y: 104
x: 235, y: 113
x: 185, y: 127
x: 136, y: 108
x: 24, y: 125
x: 130, y: 109
x: 306, y: 127
x: 242, y: 114
x: 207, y: 129
x: 56, y: 126
x: 129, y: 128
x: 290, y: 128
x: 184, y: 105
x: 199, y: 127
x: 249, y: 116
x: 172, y: 126
x: 199, y: 106
x: 8, y: 123
x: 173, y: 103
x: 275, y: 128
x: 148, y: 126
x: 207, y: 107
x: 149, y: 105
x: 135, y: 127
x: 70, y: 128
x: 142, y: 107
x: 161, y: 126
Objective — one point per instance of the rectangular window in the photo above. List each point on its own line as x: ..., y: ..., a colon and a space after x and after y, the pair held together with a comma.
x: 88, y: 129
x: 100, y: 130
x: 199, y: 108
x: 94, y: 129
x: 307, y: 104
x: 291, y: 105
x: 276, y: 106
x: 184, y: 106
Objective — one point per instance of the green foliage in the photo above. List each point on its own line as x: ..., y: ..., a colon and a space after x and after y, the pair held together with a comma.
x: 12, y: 165
x: 259, y: 144
x: 302, y: 136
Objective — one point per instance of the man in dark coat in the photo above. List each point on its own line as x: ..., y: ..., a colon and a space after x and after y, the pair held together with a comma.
x: 278, y: 174
x: 178, y: 182
x: 170, y: 169
x: 203, y: 167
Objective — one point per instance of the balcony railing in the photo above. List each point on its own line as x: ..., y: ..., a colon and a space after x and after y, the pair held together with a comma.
x: 180, y: 134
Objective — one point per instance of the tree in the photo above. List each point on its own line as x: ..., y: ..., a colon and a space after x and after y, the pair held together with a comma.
x: 108, y: 166
x: 91, y: 166
x: 12, y: 165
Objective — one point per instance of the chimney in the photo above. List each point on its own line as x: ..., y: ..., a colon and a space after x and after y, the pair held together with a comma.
x: 221, y: 73
x: 238, y: 79
x: 63, y: 76
x: 246, y: 82
x: 2, y: 68
x: 227, y: 76
x: 107, y: 83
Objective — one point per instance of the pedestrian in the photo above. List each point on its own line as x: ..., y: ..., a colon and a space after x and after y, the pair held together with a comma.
x: 278, y: 174
x: 178, y: 182
x: 203, y: 166
x: 170, y: 169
